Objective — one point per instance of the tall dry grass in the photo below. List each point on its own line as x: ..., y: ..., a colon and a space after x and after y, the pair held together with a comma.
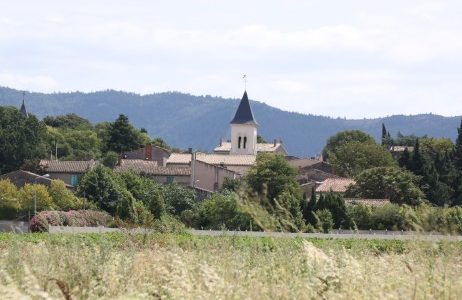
x: 182, y: 267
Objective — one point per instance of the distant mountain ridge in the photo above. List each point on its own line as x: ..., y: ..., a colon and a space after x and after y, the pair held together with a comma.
x: 185, y: 120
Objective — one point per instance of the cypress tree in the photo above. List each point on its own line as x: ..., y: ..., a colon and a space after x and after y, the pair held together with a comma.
x: 308, y: 212
x: 384, y: 134
x: 405, y: 160
x: 417, y: 162
x: 457, y: 158
x: 458, y: 149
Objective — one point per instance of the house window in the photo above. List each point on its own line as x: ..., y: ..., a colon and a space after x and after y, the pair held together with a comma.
x: 170, y: 179
x: 74, y: 180
x: 245, y: 142
x: 239, y: 143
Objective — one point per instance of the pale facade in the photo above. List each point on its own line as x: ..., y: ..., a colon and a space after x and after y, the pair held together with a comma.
x: 243, y: 139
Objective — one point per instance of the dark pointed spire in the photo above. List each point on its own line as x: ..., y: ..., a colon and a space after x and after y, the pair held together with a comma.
x: 23, y: 109
x: 244, y: 114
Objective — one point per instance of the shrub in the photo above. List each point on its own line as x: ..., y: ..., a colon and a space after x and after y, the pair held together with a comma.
x: 9, y: 203
x: 29, y: 192
x: 388, y: 216
x: 89, y: 218
x: 63, y: 198
x: 220, y: 210
x: 360, y: 216
x: 168, y: 224
x: 178, y: 198
x: 325, y: 219
x: 400, y: 186
x: 336, y: 205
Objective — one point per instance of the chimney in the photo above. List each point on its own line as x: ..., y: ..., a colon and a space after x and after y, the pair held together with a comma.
x: 190, y: 150
x: 148, y: 152
x: 221, y: 142
x: 275, y: 142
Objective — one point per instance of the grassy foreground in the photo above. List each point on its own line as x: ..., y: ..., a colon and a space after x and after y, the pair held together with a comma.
x: 121, y: 266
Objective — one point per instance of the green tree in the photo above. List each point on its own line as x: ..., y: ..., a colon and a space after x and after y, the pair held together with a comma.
x: 387, y: 141
x: 458, y: 148
x: 345, y: 137
x: 457, y: 183
x: 178, y: 198
x: 272, y: 174
x: 309, y: 209
x: 68, y: 121
x: 325, y: 219
x: 73, y: 144
x: 122, y: 136
x: 110, y: 159
x: 417, y: 162
x: 9, y: 202
x: 63, y: 198
x: 146, y: 190
x: 230, y: 184
x: 221, y: 210
x: 260, y: 139
x: 21, y: 138
x: 336, y: 205
x: 400, y: 186
x: 30, y: 194
x: 159, y: 142
x: 101, y: 186
x: 360, y: 216
x: 352, y: 158
x: 405, y: 159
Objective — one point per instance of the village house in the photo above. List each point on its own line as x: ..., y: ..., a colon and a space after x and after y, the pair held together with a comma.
x: 68, y: 171
x: 149, y: 152
x: 397, y: 151
x: 160, y: 174
x: 20, y: 178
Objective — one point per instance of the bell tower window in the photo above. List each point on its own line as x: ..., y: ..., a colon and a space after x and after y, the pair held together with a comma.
x: 245, y: 142
x: 239, y: 143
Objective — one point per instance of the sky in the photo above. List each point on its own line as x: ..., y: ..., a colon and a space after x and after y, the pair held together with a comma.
x: 353, y: 59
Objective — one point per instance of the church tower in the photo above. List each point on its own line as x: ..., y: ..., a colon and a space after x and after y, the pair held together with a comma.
x: 23, y: 109
x: 244, y: 129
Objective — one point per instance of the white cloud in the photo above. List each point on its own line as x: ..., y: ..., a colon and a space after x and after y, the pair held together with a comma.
x: 29, y: 83
x: 355, y: 58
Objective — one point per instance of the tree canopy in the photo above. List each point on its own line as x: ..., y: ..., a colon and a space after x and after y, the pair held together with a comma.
x: 345, y: 137
x: 352, y: 158
x: 21, y: 138
x: 400, y: 186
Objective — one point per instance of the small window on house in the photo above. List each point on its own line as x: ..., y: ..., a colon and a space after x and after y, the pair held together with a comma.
x: 74, y: 180
x: 245, y: 142
x: 239, y: 143
x: 170, y: 179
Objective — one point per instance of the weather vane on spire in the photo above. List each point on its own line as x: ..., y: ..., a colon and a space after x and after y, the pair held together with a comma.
x: 244, y: 77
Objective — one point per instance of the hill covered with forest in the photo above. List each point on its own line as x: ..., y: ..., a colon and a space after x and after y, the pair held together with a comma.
x: 184, y: 120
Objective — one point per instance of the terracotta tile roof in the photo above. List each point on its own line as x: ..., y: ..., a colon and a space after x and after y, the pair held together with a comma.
x: 61, y: 166
x: 213, y: 159
x: 150, y: 168
x: 336, y: 185
x: 371, y: 202
x: 261, y: 147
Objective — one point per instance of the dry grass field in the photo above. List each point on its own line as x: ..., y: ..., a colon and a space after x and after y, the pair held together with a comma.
x: 175, y: 266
